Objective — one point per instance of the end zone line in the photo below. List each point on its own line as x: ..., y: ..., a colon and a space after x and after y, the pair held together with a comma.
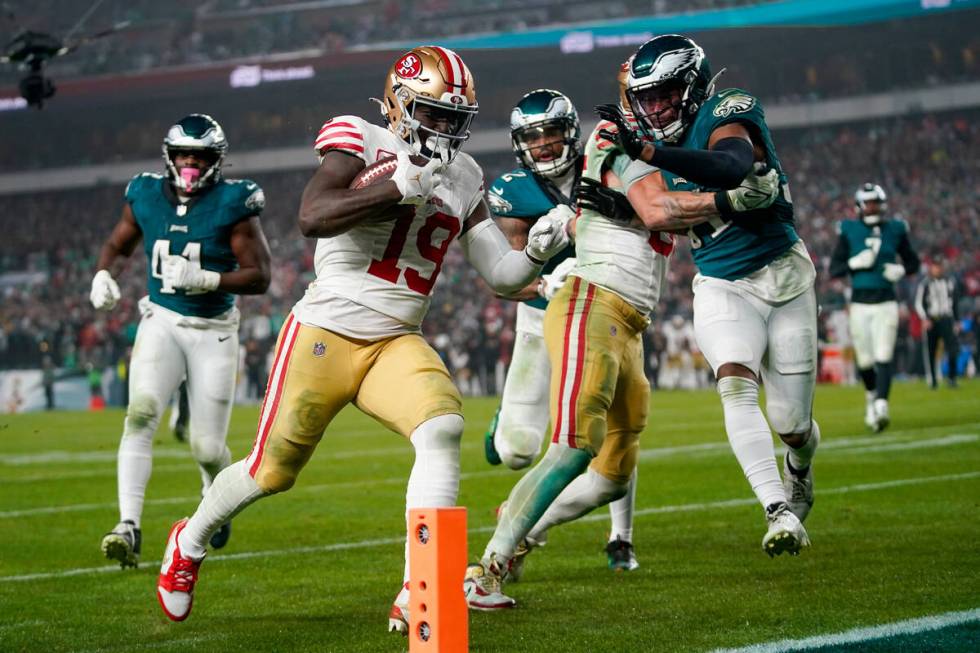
x: 858, y: 635
x: 601, y: 516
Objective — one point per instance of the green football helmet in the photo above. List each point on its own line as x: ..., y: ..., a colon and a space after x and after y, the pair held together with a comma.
x: 669, y: 80
x: 545, y: 117
x: 201, y: 134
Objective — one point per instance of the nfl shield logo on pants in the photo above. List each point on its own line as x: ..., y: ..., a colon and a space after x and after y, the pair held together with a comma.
x: 319, y: 349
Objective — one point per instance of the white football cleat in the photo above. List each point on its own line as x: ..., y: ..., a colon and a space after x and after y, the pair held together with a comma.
x: 178, y: 574
x: 799, y: 489
x: 881, y: 414
x: 786, y: 532
x: 482, y: 588
x: 398, y: 616
x: 870, y: 418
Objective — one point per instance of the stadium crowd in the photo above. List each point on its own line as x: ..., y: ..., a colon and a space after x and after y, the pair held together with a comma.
x: 924, y: 163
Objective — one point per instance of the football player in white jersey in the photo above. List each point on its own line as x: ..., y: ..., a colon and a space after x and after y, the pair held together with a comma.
x: 546, y: 139
x: 355, y: 336
x: 593, y: 330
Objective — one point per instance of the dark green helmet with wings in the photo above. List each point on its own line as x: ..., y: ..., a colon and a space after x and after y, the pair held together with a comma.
x: 202, y: 135
x: 541, y: 122
x: 669, y: 80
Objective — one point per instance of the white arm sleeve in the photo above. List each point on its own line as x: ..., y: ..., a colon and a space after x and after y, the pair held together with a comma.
x: 506, y: 270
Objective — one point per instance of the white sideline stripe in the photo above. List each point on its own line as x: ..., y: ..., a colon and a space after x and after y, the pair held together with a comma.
x: 82, y: 507
x: 945, y: 441
x: 59, y: 456
x: 656, y: 510
x: 95, y: 473
x: 857, y: 635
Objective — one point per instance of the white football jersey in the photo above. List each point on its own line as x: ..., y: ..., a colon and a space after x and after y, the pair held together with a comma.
x: 627, y: 259
x: 376, y: 279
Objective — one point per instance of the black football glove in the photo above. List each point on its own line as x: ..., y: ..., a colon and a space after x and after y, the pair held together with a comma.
x: 624, y: 135
x: 591, y: 195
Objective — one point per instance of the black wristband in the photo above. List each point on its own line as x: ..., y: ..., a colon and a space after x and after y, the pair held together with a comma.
x: 532, y: 259
x: 722, y: 204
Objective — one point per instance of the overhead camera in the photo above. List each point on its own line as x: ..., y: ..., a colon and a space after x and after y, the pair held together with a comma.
x: 30, y: 50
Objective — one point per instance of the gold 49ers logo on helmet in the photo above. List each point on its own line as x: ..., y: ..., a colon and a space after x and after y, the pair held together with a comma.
x: 436, y: 78
x: 409, y: 66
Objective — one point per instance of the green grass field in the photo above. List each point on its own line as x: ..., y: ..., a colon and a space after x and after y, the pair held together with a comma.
x: 895, y: 533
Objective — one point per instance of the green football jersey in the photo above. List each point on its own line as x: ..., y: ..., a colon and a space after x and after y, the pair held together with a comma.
x: 199, y: 230
x: 733, y: 250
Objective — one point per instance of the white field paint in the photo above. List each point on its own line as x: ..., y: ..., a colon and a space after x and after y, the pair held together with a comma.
x: 858, y: 635
x: 656, y: 510
x: 944, y: 441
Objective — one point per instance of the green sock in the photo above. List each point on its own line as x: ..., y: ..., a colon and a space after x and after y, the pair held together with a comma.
x: 531, y: 497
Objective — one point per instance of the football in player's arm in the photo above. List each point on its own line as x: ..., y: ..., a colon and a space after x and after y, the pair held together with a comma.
x: 204, y: 244
x: 355, y: 336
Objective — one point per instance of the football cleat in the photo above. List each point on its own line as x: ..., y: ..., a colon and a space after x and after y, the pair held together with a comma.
x: 881, y: 414
x: 799, y: 489
x: 489, y: 447
x: 515, y: 568
x: 786, y: 532
x: 481, y: 584
x: 122, y: 544
x: 178, y: 574
x: 221, y: 536
x: 398, y: 616
x: 621, y: 555
x: 870, y: 418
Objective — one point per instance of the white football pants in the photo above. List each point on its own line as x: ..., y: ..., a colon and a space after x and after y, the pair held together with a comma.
x: 168, y: 347
x: 874, y: 329
x: 777, y: 341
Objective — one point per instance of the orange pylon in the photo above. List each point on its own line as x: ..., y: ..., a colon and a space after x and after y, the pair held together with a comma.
x: 438, y: 616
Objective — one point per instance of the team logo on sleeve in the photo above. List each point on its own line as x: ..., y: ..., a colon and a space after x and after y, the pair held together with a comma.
x: 737, y: 103
x: 255, y: 201
x: 498, y: 204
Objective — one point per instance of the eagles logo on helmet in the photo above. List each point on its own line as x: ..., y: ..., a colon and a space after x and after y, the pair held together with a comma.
x: 541, y: 115
x: 200, y: 134
x: 670, y: 67
x: 436, y: 78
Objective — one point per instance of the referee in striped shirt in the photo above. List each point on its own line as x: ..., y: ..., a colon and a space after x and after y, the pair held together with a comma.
x: 935, y: 302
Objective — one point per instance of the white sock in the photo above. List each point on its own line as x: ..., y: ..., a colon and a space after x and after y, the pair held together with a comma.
x: 133, y: 467
x: 585, y: 493
x: 434, y: 482
x: 232, y: 490
x: 621, y: 513
x: 800, y: 457
x: 750, y: 438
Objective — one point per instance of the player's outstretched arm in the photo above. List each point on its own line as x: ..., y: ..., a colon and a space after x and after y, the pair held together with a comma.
x: 329, y: 207
x: 515, y: 230
x: 838, y: 260
x: 505, y: 269
x: 251, y: 249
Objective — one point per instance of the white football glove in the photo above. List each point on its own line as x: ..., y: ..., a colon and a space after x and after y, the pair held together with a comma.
x: 180, y: 274
x: 554, y: 280
x: 894, y: 272
x: 416, y: 183
x: 756, y: 191
x: 549, y: 235
x: 863, y: 260
x: 105, y: 291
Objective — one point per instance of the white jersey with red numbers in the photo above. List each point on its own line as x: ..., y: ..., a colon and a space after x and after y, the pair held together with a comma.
x: 375, y: 280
